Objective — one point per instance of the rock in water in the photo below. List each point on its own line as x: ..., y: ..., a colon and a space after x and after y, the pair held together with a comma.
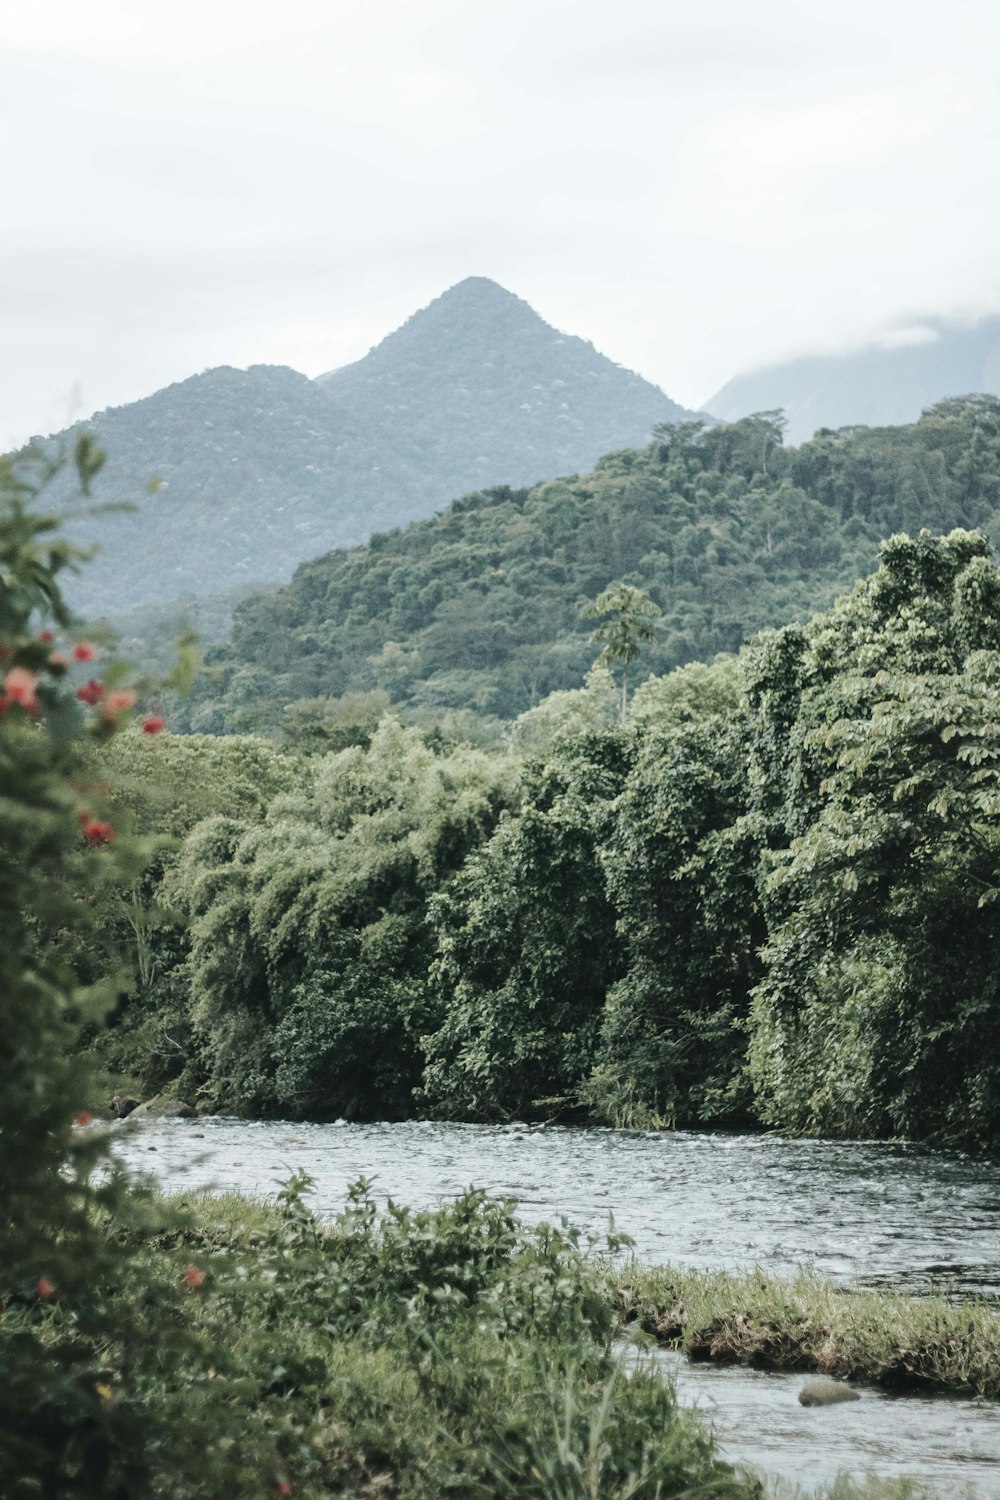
x: 826, y: 1392
x: 122, y: 1105
x: 162, y: 1108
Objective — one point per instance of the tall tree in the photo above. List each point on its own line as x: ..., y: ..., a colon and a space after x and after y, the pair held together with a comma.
x: 628, y: 627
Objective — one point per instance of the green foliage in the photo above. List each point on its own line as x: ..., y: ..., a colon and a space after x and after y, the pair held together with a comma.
x: 680, y: 865
x: 81, y: 1413
x: 422, y: 925
x: 540, y: 732
x: 630, y: 627
x: 424, y: 1354
x: 726, y: 530
x: 526, y: 946
x: 689, y: 694
x: 309, y: 943
x: 877, y: 1012
x: 882, y: 1338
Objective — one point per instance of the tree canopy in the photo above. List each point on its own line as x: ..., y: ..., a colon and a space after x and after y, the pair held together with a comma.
x: 725, y: 529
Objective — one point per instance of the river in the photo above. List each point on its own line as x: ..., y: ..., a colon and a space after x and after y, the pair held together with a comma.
x: 862, y: 1213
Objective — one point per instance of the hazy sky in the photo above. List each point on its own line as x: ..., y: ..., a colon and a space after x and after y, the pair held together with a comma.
x: 696, y: 188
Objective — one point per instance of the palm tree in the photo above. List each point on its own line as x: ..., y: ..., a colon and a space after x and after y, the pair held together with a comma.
x: 629, y: 627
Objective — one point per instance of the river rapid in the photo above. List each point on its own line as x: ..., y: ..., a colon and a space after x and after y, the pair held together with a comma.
x: 861, y: 1213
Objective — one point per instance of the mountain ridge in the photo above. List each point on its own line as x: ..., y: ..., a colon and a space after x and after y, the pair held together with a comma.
x: 883, y: 383
x: 264, y: 468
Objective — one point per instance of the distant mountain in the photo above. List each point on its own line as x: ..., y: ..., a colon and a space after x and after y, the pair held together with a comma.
x: 264, y: 468
x: 477, y: 389
x: 883, y: 384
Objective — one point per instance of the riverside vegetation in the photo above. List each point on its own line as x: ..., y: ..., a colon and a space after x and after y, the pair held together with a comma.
x: 769, y: 896
x: 572, y: 924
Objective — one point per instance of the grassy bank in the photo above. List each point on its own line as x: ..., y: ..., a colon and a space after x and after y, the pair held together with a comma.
x: 803, y: 1323
x: 878, y: 1338
x: 449, y: 1353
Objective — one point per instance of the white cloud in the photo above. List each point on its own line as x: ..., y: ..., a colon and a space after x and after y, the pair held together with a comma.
x: 908, y: 338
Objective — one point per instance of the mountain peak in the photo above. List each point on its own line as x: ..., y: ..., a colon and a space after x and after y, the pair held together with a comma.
x: 475, y: 313
x: 268, y: 468
x: 479, y: 288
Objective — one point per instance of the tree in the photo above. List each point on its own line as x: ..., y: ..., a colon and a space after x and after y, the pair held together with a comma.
x: 875, y: 772
x: 526, y: 944
x: 629, y: 628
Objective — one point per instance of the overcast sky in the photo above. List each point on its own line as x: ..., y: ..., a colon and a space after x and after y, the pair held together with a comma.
x: 698, y: 189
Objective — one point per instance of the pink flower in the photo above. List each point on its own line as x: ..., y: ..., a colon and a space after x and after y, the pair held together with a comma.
x: 194, y: 1277
x: 46, y: 637
x: 82, y: 651
x: 118, y: 703
x: 95, y: 831
x: 83, y: 1118
x: 19, y: 687
x: 44, y: 1289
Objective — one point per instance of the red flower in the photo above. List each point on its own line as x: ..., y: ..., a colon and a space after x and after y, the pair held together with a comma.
x: 83, y: 1118
x: 92, y: 692
x: 284, y: 1487
x: 19, y: 687
x: 45, y: 1289
x: 194, y: 1277
x: 154, y: 724
x: 95, y: 831
x: 83, y: 652
x: 47, y: 636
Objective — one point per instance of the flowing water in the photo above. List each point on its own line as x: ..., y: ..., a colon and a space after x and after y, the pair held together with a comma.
x: 951, y: 1445
x: 862, y: 1213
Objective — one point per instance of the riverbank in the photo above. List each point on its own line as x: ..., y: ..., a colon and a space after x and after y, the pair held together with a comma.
x: 803, y: 1323
x: 425, y: 1351
x: 388, y: 1353
x: 877, y: 1338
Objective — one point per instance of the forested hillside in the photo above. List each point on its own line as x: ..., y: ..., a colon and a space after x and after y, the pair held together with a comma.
x: 727, y: 530
x: 260, y: 469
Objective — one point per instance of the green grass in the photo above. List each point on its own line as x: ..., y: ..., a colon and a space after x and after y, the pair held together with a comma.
x: 878, y: 1338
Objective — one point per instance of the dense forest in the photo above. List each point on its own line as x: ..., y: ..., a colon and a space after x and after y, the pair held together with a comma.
x: 728, y: 531
x: 769, y: 895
